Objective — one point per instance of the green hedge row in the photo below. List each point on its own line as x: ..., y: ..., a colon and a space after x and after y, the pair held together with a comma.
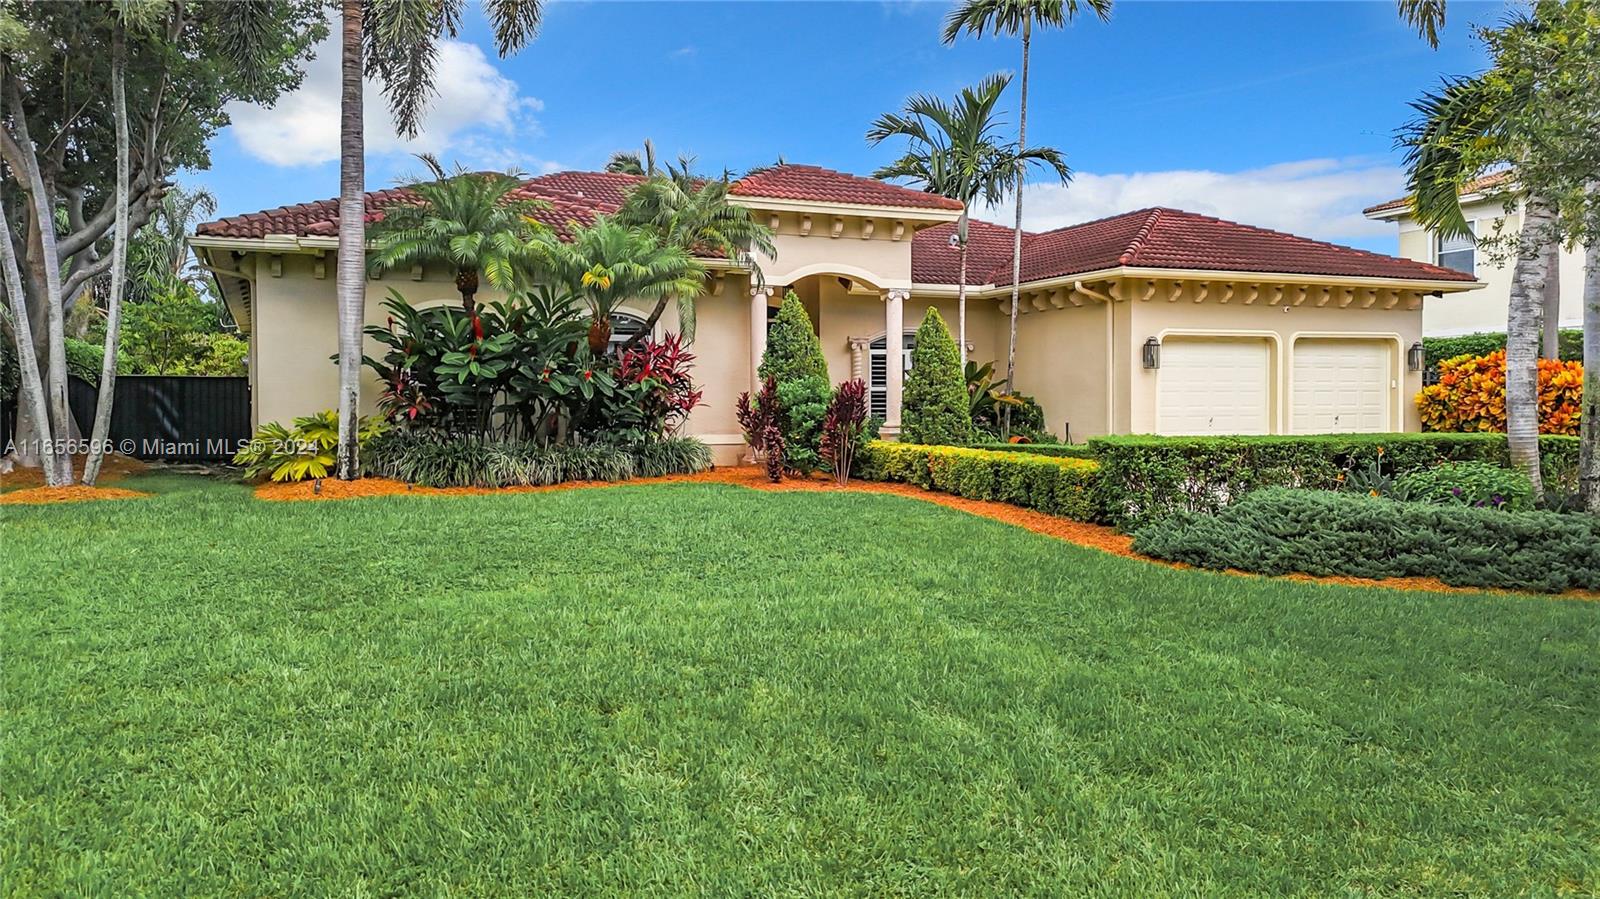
x: 1058, y: 486
x: 1059, y: 450
x: 1438, y: 349
x: 1279, y: 531
x: 433, y: 462
x: 1145, y: 478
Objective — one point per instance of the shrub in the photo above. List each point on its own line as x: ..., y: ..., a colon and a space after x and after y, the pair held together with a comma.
x: 438, y: 461
x: 761, y: 419
x: 675, y: 455
x: 1476, y: 484
x: 1279, y: 531
x: 659, y: 371
x: 1143, y: 478
x: 1471, y: 395
x: 803, y: 405
x: 1060, y: 450
x: 936, y: 409
x: 1058, y: 486
x: 303, y: 451
x: 793, y: 350
x: 844, y: 428
x: 1438, y: 349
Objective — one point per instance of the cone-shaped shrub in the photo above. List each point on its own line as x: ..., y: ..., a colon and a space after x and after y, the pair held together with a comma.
x: 934, y: 409
x: 793, y: 351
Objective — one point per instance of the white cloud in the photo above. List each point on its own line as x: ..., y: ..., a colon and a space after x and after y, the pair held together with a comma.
x: 474, y: 113
x: 1317, y: 198
x: 688, y: 52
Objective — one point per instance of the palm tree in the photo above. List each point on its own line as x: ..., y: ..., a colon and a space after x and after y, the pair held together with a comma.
x: 954, y: 152
x: 629, y: 162
x: 401, y: 39
x: 468, y: 220
x: 101, y: 429
x: 1466, y: 126
x: 1016, y: 17
x: 1427, y: 16
x: 694, y: 214
x: 159, y: 259
x: 609, y: 262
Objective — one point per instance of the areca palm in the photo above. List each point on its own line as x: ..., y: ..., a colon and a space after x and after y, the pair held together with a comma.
x: 470, y: 220
x: 1017, y: 18
x: 610, y: 262
x: 1427, y: 16
x: 955, y: 152
x: 398, y: 41
x: 694, y: 214
x: 1462, y: 129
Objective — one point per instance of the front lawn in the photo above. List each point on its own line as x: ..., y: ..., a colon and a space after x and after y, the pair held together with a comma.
x: 693, y: 688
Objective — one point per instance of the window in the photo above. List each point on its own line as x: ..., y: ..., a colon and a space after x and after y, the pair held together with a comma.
x: 878, y: 372
x: 623, y: 327
x: 1459, y: 253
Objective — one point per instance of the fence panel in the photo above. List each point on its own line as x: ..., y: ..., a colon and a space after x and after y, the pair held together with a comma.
x: 175, y: 417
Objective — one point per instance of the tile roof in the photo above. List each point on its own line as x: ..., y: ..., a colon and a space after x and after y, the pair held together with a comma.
x: 820, y: 185
x: 1475, y: 186
x: 935, y: 261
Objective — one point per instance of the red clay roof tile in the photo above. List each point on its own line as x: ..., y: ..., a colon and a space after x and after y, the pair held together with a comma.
x: 1475, y: 186
x: 816, y: 184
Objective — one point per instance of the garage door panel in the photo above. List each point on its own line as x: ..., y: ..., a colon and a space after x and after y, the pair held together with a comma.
x: 1341, y: 386
x: 1214, y: 386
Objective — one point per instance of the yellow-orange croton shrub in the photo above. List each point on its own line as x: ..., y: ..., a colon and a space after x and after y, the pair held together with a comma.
x: 1471, y: 395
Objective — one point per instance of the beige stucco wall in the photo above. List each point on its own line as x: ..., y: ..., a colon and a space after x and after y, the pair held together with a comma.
x: 1280, y: 326
x: 1062, y: 361
x: 1485, y: 309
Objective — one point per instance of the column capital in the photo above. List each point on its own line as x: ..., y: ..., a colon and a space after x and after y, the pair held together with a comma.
x: 897, y: 294
x: 764, y: 291
x: 859, y: 343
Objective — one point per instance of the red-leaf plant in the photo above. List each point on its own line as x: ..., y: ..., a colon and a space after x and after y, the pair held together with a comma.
x: 663, y: 369
x: 762, y: 422
x: 841, y: 428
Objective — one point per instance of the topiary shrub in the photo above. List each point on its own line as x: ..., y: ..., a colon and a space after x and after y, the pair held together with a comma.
x: 793, y: 350
x: 935, y: 408
x: 1052, y: 484
x: 1282, y: 531
x: 1477, y: 484
x: 804, y: 407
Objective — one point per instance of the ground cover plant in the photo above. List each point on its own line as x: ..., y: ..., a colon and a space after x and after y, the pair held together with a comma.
x: 773, y: 693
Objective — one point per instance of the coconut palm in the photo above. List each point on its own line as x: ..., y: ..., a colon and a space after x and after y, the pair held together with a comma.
x: 609, y: 262
x: 397, y: 42
x: 1464, y: 127
x: 955, y: 152
x: 1017, y: 18
x: 472, y: 221
x: 694, y: 214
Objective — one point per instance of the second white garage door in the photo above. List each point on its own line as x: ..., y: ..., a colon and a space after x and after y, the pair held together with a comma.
x: 1341, y: 386
x: 1214, y: 386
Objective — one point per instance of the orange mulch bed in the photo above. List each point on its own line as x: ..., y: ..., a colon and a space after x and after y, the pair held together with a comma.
x: 115, y: 468
x: 1093, y: 536
x: 77, y: 493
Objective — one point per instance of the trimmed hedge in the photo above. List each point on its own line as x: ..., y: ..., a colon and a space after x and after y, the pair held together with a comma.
x: 1058, y: 486
x: 1059, y: 450
x: 1145, y: 478
x: 433, y: 462
x: 1438, y: 349
x: 1280, y: 531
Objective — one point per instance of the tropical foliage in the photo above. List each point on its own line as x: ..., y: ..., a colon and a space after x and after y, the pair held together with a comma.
x: 302, y: 451
x: 936, y: 408
x: 1471, y: 395
x: 845, y: 428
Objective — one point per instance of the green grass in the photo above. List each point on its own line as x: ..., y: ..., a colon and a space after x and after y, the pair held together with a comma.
x: 700, y: 689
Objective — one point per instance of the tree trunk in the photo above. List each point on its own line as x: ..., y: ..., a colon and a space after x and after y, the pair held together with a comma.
x: 1522, y: 339
x: 30, y: 396
x: 1589, y: 444
x: 352, y: 271
x: 961, y: 305
x: 1016, y: 236
x: 1552, y: 301
x: 467, y: 285
x: 101, y: 432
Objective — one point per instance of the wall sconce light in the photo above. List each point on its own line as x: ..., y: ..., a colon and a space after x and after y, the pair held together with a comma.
x: 1152, y: 353
x: 1415, y: 357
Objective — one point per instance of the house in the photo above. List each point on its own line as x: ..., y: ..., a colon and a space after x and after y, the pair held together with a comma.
x: 1157, y: 320
x: 1483, y: 203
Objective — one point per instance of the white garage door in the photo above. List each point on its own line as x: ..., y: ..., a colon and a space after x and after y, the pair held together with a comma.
x: 1207, y: 386
x: 1341, y: 386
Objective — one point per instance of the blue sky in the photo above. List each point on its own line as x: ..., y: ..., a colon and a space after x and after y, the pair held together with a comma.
x: 1276, y: 114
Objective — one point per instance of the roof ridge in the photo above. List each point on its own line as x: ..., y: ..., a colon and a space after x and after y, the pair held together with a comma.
x: 1140, y: 236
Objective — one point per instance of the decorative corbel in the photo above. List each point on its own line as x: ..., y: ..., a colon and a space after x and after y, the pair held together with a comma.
x: 838, y: 226
x: 1202, y: 291
x: 805, y: 226
x: 867, y: 227
x: 275, y: 265
x: 899, y: 231
x: 1174, y: 290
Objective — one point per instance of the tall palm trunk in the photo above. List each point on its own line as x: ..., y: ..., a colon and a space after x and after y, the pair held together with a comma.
x: 352, y: 270
x: 1016, y: 234
x: 961, y: 290
x: 1551, y: 349
x: 101, y: 432
x: 1522, y: 339
x: 1589, y: 444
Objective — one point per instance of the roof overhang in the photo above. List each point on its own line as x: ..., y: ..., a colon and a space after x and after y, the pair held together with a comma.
x: 1395, y: 213
x: 925, y: 216
x: 1133, y: 273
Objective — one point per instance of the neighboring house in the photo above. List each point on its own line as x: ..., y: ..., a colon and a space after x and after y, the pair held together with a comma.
x: 1483, y: 202
x: 1152, y: 321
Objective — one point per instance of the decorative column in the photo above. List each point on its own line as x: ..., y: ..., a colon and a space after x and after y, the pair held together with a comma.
x: 859, y: 346
x: 894, y: 345
x: 759, y: 296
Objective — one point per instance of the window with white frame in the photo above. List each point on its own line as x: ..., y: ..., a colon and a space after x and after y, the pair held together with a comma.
x: 878, y: 372
x: 623, y: 327
x: 1459, y: 252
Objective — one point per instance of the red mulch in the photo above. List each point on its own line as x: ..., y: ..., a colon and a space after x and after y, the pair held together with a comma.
x: 77, y: 493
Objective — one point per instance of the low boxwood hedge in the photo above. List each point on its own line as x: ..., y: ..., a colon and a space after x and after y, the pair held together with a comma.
x: 462, y: 462
x: 1279, y: 531
x: 1060, y: 450
x: 1145, y: 478
x: 1059, y: 486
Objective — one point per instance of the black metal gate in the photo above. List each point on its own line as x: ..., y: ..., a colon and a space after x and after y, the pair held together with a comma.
x: 176, y: 417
